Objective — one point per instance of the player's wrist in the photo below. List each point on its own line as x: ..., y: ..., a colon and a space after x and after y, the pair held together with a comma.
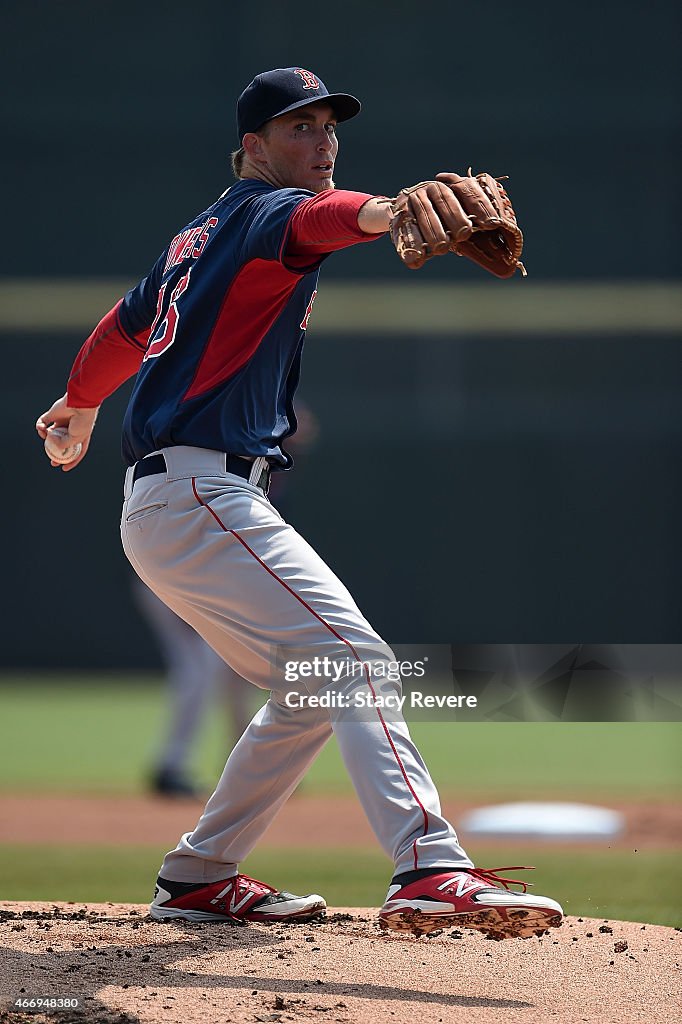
x: 374, y: 216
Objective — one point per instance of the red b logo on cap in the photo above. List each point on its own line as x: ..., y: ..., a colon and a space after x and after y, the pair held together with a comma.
x: 309, y: 80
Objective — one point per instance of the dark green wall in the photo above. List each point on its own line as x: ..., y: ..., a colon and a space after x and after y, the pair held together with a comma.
x: 491, y: 490
x: 482, y: 491
x: 118, y: 119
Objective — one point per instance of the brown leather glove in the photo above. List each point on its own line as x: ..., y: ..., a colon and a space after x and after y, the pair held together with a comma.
x: 496, y: 242
x: 471, y: 216
x: 427, y: 220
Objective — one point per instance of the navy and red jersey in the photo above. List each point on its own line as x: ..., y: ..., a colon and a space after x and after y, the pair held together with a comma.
x: 216, y: 329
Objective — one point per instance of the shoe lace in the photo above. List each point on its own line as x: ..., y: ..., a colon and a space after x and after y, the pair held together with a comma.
x: 491, y: 875
x: 254, y: 884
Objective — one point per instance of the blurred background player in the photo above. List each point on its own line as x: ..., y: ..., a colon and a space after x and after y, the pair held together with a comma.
x: 196, y: 678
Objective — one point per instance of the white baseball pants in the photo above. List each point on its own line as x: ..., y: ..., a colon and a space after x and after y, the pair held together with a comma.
x: 216, y: 551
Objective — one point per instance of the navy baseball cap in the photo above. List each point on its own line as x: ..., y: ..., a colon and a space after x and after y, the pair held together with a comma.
x: 284, y: 89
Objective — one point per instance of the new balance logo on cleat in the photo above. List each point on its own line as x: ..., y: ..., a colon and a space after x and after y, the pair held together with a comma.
x: 465, y: 883
x: 222, y: 893
x: 237, y: 891
x: 474, y: 898
x: 237, y: 899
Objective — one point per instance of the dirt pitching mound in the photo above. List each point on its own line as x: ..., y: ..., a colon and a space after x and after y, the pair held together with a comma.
x: 122, y: 968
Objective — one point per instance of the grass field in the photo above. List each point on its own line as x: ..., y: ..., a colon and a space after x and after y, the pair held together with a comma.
x: 97, y: 734
x: 616, y: 884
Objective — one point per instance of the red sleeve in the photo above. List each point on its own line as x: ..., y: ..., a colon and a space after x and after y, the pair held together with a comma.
x: 327, y: 222
x: 108, y: 358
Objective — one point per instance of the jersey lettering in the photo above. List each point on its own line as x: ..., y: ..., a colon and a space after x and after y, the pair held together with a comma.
x: 306, y: 318
x: 173, y: 249
x: 203, y: 237
x: 183, y: 245
x: 309, y: 80
x: 161, y: 339
x: 188, y: 245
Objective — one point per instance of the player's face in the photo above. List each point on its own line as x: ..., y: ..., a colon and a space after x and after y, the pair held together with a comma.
x: 300, y: 148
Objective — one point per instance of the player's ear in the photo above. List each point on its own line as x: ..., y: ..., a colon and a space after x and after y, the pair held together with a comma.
x: 253, y: 146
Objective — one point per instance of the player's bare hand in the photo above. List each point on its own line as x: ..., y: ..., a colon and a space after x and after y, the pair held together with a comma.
x: 78, y: 423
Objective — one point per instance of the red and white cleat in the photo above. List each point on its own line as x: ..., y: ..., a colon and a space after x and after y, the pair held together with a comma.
x: 472, y: 898
x: 232, y: 899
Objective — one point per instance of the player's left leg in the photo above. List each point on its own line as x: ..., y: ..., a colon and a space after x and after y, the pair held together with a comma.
x: 261, y: 773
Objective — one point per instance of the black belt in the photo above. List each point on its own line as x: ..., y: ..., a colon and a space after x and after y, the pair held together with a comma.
x: 233, y: 464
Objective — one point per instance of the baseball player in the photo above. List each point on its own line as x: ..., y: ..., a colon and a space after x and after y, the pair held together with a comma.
x: 195, y: 677
x: 215, y: 334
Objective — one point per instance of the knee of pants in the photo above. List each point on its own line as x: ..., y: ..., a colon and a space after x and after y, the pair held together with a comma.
x: 341, y: 688
x: 296, y: 706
